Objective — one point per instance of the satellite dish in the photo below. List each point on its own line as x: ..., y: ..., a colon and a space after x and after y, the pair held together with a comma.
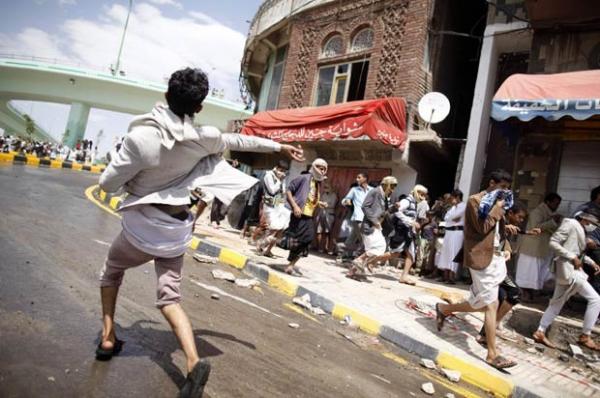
x: 434, y: 107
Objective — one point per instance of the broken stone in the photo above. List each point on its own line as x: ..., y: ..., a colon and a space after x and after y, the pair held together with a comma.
x: 449, y: 395
x: 67, y: 371
x: 202, y: 258
x: 540, y: 348
x: 293, y: 325
x: 595, y: 367
x: 247, y: 283
x: 576, y: 350
x: 196, y: 295
x: 146, y: 271
x: 563, y: 357
x: 428, y: 363
x: 303, y: 301
x: 532, y: 350
x: 317, y: 311
x: 412, y: 394
x: 452, y: 375
x: 576, y: 370
x: 225, y: 275
x: 529, y: 341
x: 215, y: 296
x: 52, y: 379
x: 428, y: 388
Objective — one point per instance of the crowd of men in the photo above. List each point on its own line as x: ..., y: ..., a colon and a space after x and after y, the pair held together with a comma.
x: 382, y: 225
x: 450, y: 240
x: 84, y: 150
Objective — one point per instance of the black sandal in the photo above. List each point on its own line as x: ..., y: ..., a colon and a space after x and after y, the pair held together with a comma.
x: 103, y: 354
x: 501, y: 363
x: 439, y: 317
x: 196, y: 380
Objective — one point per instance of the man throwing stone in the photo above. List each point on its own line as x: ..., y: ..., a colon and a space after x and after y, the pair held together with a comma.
x: 163, y: 158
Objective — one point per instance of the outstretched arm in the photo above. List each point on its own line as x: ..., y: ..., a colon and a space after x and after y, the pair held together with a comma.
x: 245, y: 143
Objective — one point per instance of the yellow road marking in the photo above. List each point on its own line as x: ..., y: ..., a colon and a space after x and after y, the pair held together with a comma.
x: 299, y: 311
x: 232, y: 258
x: 395, y: 358
x: 476, y: 376
x: 90, y: 196
x: 365, y: 323
x: 114, y: 202
x: 282, y: 284
x: 194, y: 243
x: 450, y: 386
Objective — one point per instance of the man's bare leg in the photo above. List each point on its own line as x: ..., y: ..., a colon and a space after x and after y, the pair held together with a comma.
x: 489, y: 321
x: 504, y: 309
x: 408, y: 262
x: 109, y: 301
x: 182, y: 328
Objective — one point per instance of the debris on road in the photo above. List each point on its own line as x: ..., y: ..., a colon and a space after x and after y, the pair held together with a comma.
x: 247, y: 283
x: 293, y: 325
x: 576, y: 350
x: 563, y: 357
x: 146, y: 271
x: 452, y: 375
x: 531, y: 350
x: 202, y: 258
x: 215, y: 296
x: 540, y: 348
x: 529, y: 341
x: 224, y: 275
x: 52, y: 379
x: 428, y: 388
x: 304, y: 302
x: 449, y: 395
x: 428, y: 363
x: 67, y: 371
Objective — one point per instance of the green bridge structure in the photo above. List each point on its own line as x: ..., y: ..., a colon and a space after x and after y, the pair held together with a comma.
x: 84, y: 89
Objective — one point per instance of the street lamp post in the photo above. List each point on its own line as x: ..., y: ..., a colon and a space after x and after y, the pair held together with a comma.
x: 117, y: 68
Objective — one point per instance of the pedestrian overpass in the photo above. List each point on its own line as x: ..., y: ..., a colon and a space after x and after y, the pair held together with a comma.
x: 85, y: 89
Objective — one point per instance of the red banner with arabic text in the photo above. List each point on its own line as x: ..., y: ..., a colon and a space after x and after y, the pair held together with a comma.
x: 379, y: 119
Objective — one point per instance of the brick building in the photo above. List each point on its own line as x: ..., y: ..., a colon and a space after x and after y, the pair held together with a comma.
x: 304, y: 53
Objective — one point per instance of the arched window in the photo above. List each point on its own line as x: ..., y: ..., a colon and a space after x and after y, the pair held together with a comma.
x: 363, y: 40
x: 333, y: 47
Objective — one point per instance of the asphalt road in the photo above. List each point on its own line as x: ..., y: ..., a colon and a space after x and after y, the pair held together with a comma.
x: 52, y: 244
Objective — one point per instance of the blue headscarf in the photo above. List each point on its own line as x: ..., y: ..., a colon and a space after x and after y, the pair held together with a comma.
x: 490, y: 198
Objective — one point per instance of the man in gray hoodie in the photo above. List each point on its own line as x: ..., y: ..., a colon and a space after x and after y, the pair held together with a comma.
x: 162, y: 159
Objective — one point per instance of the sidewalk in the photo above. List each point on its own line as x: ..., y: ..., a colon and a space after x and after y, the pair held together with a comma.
x: 404, y: 315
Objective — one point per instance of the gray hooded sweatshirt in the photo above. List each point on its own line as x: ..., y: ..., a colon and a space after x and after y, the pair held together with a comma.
x: 163, y: 158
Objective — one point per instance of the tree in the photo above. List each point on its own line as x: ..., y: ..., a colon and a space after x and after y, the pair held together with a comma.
x: 29, y: 125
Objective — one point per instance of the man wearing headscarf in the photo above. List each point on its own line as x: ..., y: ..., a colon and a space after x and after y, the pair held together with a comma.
x: 406, y: 227
x: 303, y: 194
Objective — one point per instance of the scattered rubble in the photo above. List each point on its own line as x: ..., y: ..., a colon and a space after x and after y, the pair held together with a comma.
x: 67, y: 371
x: 564, y: 357
x: 428, y: 388
x: 215, y: 296
x: 202, y: 258
x: 428, y: 363
x: 52, y: 379
x: 540, y: 348
x: 304, y: 302
x: 531, y: 350
x: 293, y: 325
x: 225, y: 275
x: 247, y: 283
x: 449, y: 395
x: 452, y: 375
x: 529, y: 341
x: 576, y: 350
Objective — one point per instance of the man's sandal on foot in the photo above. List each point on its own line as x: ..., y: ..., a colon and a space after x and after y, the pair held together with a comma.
x: 102, y: 354
x: 196, y: 380
x: 542, y: 339
x: 587, y: 342
x: 501, y: 363
x: 439, y: 317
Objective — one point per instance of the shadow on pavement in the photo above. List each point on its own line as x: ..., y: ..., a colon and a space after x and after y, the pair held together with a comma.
x: 159, y: 345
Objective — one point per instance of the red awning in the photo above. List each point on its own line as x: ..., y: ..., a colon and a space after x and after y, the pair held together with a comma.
x: 575, y: 94
x: 380, y: 119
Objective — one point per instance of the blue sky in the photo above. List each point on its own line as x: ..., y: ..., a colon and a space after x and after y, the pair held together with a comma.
x: 163, y: 35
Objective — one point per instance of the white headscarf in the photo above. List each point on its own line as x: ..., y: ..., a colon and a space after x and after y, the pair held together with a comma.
x: 316, y: 173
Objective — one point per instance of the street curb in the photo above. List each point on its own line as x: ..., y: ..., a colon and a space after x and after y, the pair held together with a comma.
x: 480, y: 377
x: 32, y: 160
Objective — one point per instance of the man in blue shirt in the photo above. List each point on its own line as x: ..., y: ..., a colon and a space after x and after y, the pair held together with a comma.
x: 355, y: 197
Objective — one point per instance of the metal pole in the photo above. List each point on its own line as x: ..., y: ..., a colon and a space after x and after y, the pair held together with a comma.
x: 118, y: 64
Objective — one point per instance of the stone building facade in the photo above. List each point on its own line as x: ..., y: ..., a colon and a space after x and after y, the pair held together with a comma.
x: 303, y: 53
